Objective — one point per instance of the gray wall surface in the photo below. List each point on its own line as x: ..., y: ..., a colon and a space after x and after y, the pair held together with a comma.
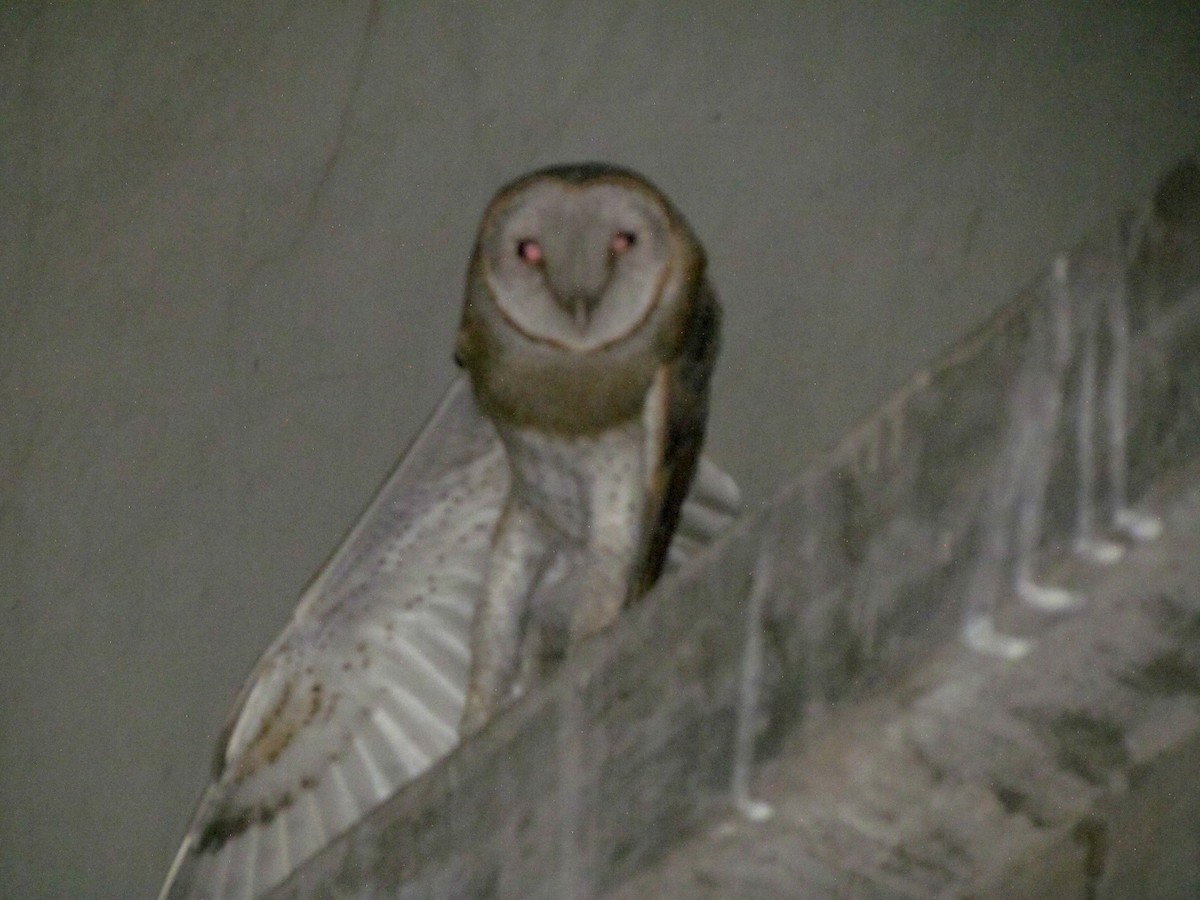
x: 230, y: 271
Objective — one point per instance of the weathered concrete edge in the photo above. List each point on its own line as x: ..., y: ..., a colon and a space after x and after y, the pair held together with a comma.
x: 981, y: 777
x: 585, y: 781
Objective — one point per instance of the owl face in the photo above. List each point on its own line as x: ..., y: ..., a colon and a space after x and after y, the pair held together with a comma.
x: 582, y: 283
x: 580, y: 263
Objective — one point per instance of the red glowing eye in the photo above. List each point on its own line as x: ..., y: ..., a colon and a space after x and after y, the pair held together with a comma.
x: 623, y: 240
x: 529, y: 250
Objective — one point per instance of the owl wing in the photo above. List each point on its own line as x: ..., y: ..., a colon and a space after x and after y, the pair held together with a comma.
x: 679, y: 412
x: 364, y: 688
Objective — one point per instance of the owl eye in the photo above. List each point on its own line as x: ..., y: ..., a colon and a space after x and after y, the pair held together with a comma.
x: 622, y: 241
x: 529, y: 251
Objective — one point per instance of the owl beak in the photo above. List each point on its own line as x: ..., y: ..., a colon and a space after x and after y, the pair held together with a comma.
x: 583, y: 313
x: 578, y: 280
x: 580, y: 307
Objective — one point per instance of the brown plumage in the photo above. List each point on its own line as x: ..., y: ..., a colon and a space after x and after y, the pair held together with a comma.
x: 588, y: 321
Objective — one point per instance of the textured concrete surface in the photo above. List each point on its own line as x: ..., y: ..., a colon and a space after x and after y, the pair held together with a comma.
x: 232, y: 238
x: 824, y: 635
x: 1071, y: 773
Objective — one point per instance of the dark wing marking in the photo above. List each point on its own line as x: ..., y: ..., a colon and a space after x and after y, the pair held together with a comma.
x: 687, y: 390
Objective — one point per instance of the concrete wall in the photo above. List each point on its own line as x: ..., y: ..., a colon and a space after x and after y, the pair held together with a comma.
x: 230, y: 266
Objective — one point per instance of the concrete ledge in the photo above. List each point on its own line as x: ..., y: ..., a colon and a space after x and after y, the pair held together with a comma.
x: 944, y: 771
x: 1070, y: 773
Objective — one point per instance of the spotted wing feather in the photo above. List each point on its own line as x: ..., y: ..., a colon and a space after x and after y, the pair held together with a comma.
x: 364, y: 688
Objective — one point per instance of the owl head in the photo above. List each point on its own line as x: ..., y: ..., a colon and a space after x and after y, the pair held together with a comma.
x: 579, y: 272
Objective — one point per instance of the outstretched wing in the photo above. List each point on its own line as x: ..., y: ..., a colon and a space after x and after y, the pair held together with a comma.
x: 364, y: 688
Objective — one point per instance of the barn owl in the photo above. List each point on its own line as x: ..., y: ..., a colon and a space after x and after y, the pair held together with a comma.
x: 365, y: 687
x: 589, y: 334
